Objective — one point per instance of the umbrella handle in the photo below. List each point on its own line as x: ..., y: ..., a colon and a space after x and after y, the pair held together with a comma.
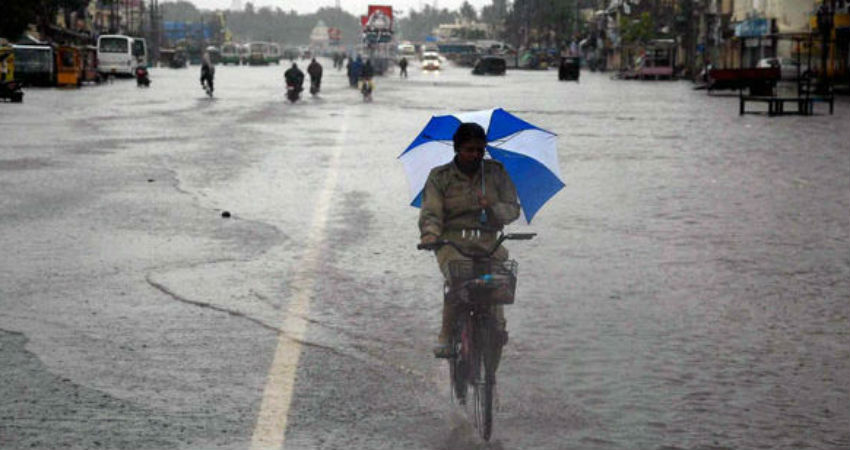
x: 483, y: 217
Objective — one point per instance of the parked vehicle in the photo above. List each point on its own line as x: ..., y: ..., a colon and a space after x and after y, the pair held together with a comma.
x: 88, y: 54
x: 69, y: 66
x: 273, y: 54
x: 179, y: 60
x: 230, y: 54
x: 431, y: 61
x: 35, y: 65
x: 115, y: 54
x: 568, y: 70
x: 10, y: 90
x: 257, y: 53
x: 489, y: 65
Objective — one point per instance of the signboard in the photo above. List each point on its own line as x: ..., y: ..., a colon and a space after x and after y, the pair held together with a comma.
x: 752, y: 28
x: 334, y: 35
x: 380, y: 18
x: 378, y: 24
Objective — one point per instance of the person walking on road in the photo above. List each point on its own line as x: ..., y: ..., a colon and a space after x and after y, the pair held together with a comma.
x: 452, y: 205
x: 314, y: 69
x: 402, y: 64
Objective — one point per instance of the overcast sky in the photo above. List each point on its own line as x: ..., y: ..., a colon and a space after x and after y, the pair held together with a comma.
x: 356, y: 7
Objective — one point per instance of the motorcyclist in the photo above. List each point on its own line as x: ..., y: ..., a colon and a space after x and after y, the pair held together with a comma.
x: 142, y: 76
x: 452, y: 205
x: 366, y: 74
x: 315, y: 72
x: 294, y: 77
x: 207, y: 72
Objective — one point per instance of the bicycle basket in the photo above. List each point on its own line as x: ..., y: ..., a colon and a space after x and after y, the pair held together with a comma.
x: 497, y: 279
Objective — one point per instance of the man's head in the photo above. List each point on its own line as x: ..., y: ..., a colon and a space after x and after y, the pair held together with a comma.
x: 313, y: 60
x: 469, y: 143
x: 294, y: 66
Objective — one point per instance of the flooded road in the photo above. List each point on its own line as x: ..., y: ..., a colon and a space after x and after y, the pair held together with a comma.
x: 688, y: 289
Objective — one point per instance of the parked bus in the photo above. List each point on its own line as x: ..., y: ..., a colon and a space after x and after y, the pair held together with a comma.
x: 257, y: 52
x: 273, y: 55
x: 230, y: 54
x: 115, y: 54
x: 35, y: 65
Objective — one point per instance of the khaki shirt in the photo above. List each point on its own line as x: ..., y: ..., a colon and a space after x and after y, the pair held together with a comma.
x: 450, y: 199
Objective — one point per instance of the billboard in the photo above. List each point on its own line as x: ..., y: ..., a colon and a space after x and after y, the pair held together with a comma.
x: 378, y: 24
x: 380, y: 18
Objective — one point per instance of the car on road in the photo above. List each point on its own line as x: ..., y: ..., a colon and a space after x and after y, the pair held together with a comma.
x: 431, y: 61
x: 788, y: 68
x: 489, y: 65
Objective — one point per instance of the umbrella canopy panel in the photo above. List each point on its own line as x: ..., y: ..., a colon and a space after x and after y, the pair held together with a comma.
x: 528, y: 153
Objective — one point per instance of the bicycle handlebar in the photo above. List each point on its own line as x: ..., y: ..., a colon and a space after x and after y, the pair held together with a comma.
x: 436, y: 245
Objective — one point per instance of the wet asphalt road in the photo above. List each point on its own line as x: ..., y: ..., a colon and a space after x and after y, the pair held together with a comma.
x: 689, y: 288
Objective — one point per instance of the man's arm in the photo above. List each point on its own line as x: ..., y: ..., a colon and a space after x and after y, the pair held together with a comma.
x: 431, y: 215
x: 506, y: 209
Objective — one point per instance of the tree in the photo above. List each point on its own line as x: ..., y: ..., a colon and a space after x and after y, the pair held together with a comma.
x: 637, y: 31
x: 467, y: 11
x: 181, y: 11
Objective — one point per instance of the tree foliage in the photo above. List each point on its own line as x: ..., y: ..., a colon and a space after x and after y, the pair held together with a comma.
x: 637, y: 31
x: 420, y: 24
x: 267, y: 24
x: 468, y: 12
x: 542, y: 22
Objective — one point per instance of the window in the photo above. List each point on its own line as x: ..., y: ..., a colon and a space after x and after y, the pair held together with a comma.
x: 113, y: 45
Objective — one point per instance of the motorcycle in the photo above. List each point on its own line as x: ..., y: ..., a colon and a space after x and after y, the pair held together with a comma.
x: 293, y: 92
x: 11, y: 91
x: 142, y: 78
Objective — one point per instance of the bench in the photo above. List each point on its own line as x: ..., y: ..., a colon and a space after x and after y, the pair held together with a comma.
x: 776, y: 105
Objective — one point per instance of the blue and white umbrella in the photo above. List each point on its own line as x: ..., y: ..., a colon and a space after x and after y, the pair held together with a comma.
x: 527, y: 152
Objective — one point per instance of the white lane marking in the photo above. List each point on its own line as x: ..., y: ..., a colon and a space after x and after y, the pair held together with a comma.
x: 269, y: 432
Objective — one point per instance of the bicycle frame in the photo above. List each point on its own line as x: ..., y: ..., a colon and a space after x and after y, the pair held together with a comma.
x: 475, y: 346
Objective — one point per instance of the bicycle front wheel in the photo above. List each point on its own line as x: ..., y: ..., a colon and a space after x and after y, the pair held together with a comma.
x: 484, y: 379
x: 458, y: 373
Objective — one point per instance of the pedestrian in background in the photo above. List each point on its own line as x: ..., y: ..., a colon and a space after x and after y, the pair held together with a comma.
x: 403, y: 66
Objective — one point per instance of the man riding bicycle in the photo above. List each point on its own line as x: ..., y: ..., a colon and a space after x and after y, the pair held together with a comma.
x: 207, y: 72
x: 467, y: 201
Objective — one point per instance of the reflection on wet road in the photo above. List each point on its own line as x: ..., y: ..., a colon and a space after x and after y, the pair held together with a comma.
x: 687, y: 289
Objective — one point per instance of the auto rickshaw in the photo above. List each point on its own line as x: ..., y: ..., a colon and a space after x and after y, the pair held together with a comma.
x: 10, y: 90
x: 179, y: 59
x: 89, y: 57
x: 69, y: 66
x: 568, y: 70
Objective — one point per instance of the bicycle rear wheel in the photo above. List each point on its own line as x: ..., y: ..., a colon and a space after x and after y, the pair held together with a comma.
x: 483, y: 380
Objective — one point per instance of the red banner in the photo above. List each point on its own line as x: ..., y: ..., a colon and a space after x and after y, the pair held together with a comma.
x: 363, y: 21
x: 380, y: 18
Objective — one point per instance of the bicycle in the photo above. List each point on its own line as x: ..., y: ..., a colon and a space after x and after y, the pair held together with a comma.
x: 476, y: 286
